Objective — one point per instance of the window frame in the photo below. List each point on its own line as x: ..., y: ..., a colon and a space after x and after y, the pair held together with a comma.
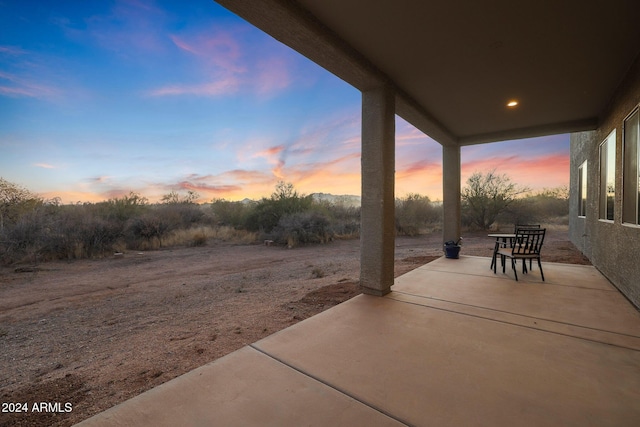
x: 607, y: 207
x: 631, y: 148
x: 582, y: 190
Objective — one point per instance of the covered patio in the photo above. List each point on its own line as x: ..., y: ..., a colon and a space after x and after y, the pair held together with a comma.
x: 452, y: 344
x: 463, y: 73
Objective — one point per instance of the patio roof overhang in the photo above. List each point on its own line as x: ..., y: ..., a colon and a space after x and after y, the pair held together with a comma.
x: 454, y: 65
x: 450, y: 69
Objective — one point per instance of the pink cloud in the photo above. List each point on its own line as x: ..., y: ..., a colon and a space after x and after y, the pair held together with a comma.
x: 272, y: 76
x: 235, y: 184
x: 419, y: 167
x: 245, y: 176
x: 221, y: 53
x: 275, y: 156
x: 271, y: 151
x: 537, y: 172
x: 219, y: 60
x: 210, y: 190
x: 224, y: 56
x: 340, y: 175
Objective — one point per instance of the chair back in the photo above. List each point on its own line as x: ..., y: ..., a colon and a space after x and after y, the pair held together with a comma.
x: 528, y: 241
x: 525, y: 226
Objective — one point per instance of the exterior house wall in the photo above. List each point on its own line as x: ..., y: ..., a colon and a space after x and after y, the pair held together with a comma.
x: 612, y: 247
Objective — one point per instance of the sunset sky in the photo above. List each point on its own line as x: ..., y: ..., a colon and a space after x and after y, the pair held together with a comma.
x: 98, y: 99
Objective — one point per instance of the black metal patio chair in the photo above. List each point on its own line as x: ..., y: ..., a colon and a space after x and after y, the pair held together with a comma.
x: 526, y: 227
x: 526, y: 245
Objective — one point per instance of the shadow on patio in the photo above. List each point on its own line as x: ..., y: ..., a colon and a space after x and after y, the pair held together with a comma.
x: 452, y: 345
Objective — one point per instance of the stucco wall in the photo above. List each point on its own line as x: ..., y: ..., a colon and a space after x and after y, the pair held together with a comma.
x: 580, y: 143
x: 612, y: 247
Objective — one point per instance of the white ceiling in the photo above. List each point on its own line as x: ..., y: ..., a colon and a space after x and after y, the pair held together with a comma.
x: 457, y: 63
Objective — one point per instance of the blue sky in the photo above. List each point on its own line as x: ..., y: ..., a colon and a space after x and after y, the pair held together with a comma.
x: 98, y: 99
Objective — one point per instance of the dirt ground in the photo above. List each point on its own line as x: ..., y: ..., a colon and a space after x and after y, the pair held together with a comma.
x: 86, y: 335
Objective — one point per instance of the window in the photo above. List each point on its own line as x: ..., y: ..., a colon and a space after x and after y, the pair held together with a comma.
x: 631, y: 172
x: 582, y: 189
x: 608, y: 176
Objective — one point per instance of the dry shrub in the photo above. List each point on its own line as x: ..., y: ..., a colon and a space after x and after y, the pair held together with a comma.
x: 199, y: 239
x: 230, y: 234
x: 184, y: 237
x: 302, y: 228
x: 317, y: 273
x: 199, y: 236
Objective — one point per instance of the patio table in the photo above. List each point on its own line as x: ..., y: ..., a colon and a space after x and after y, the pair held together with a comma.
x: 499, y: 237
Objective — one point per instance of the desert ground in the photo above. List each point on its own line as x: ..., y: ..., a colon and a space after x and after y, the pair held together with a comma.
x: 93, y: 333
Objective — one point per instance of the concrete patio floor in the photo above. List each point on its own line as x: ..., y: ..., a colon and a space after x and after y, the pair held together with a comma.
x: 451, y: 345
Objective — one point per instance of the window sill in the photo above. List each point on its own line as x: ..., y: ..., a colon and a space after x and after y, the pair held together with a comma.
x: 631, y: 225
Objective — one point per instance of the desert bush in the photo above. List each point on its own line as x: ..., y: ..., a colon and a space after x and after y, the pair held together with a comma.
x: 318, y: 273
x: 302, y: 227
x: 344, y: 219
x: 15, y: 201
x: 121, y: 209
x: 550, y: 203
x: 149, y: 227
x: 232, y: 234
x: 199, y: 239
x: 56, y: 232
x: 76, y: 232
x: 285, y: 200
x: 24, y: 238
x: 180, y: 211
x: 178, y: 215
x: 36, y: 229
x: 174, y: 198
x: 27, y: 235
x: 416, y: 214
x: 229, y: 213
x: 200, y: 235
x: 98, y: 236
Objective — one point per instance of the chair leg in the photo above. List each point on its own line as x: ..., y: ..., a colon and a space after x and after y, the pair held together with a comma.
x: 540, y: 266
x: 495, y: 263
x: 495, y: 256
x: 513, y: 266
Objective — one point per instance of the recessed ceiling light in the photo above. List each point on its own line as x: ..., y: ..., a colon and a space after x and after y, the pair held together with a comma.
x: 512, y: 104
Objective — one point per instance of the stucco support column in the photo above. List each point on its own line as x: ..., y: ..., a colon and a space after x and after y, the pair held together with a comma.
x: 451, y: 204
x: 377, y: 227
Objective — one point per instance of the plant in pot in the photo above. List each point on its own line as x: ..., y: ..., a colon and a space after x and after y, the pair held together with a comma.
x: 452, y: 248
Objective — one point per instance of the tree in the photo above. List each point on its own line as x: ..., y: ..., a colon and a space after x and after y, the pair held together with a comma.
x: 488, y: 195
x: 284, y: 191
